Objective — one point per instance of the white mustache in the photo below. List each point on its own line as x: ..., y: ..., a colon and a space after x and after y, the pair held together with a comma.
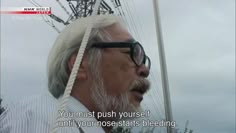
x: 142, y: 85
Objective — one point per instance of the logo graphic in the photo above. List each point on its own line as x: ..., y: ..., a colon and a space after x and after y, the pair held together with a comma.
x: 26, y: 10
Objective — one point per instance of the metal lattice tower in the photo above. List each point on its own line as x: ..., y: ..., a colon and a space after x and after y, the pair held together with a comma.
x: 84, y: 8
x: 79, y: 9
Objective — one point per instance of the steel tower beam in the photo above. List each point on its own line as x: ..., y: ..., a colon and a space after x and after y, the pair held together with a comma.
x: 84, y: 8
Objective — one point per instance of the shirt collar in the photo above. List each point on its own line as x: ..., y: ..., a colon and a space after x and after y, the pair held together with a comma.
x: 75, y: 105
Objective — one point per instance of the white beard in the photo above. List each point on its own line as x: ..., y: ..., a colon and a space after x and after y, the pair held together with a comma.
x: 107, y: 103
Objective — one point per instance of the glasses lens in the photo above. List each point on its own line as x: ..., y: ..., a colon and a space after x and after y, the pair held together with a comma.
x: 138, y: 54
x: 148, y: 62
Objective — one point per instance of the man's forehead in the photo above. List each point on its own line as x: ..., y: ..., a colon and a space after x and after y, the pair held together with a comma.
x: 118, y: 33
x: 130, y: 40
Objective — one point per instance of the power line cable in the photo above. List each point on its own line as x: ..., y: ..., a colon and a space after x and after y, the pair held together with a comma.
x: 63, y: 7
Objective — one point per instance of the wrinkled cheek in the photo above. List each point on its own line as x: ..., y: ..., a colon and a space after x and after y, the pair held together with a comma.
x: 117, y: 78
x: 114, y: 83
x: 124, y: 67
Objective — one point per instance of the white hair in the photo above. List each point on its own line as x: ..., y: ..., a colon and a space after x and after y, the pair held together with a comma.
x: 68, y: 42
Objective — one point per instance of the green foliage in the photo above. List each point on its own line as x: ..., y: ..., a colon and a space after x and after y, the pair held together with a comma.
x: 1, y: 108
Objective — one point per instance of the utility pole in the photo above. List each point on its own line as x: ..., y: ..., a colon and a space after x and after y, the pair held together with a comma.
x: 164, y: 75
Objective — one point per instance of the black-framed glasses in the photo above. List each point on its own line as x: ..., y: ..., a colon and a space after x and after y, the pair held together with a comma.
x: 136, y: 53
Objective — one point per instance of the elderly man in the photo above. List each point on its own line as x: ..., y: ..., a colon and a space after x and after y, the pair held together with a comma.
x: 111, y: 78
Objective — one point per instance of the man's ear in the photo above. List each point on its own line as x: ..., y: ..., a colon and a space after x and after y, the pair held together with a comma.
x: 82, y: 72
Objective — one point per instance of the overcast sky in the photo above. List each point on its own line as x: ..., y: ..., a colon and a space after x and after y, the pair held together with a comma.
x: 199, y: 40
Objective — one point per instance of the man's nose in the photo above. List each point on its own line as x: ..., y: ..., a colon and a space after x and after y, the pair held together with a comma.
x: 143, y: 71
